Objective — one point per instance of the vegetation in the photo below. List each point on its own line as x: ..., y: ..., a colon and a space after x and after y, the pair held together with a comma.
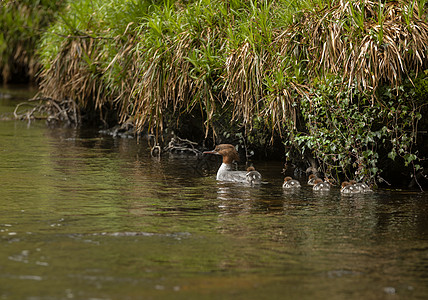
x: 21, y: 26
x: 341, y: 83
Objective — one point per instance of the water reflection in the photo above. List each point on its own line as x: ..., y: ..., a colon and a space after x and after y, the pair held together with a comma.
x: 88, y: 216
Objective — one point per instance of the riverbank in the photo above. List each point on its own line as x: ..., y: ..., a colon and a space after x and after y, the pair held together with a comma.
x: 340, y: 85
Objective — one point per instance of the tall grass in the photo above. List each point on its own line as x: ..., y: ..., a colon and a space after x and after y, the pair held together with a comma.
x: 157, y: 62
x: 21, y: 26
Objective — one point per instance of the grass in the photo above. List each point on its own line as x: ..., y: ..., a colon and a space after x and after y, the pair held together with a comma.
x: 245, y: 64
x: 22, y: 24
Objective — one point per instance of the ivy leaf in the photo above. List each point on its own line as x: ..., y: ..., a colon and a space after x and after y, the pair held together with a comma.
x: 392, y: 154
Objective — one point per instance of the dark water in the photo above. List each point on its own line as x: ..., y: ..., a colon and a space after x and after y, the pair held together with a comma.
x: 87, y: 216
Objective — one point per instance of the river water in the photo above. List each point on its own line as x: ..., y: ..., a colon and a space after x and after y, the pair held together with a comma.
x: 89, y: 216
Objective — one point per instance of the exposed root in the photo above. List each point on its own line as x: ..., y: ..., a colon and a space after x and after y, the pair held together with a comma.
x: 156, y: 151
x: 49, y: 109
x: 176, y: 145
x: 182, y: 146
x: 27, y: 114
x: 421, y: 174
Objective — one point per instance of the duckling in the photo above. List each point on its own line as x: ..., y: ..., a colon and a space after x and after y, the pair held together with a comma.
x: 252, y: 176
x: 290, y: 183
x: 321, y: 186
x: 348, y: 188
x: 312, y: 179
x: 361, y: 186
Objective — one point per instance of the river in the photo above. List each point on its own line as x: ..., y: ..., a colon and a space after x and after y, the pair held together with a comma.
x: 88, y: 216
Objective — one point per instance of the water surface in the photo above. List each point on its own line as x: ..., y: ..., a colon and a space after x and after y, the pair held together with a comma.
x: 88, y: 216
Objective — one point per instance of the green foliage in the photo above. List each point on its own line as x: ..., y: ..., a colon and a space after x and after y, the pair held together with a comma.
x: 320, y: 74
x: 21, y: 26
x: 340, y: 131
x: 405, y: 105
x: 346, y: 131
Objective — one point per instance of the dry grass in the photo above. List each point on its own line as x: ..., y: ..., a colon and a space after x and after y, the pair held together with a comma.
x: 204, y: 56
x: 369, y: 43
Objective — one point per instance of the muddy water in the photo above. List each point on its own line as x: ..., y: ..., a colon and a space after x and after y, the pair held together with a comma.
x: 88, y: 216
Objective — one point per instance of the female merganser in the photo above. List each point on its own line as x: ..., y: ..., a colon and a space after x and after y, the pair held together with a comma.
x: 362, y: 187
x: 321, y: 186
x: 312, y: 179
x: 290, y: 183
x: 348, y: 188
x: 226, y: 172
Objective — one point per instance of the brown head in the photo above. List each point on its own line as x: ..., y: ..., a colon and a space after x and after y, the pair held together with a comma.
x: 345, y: 183
x: 312, y: 176
x: 318, y: 180
x: 228, y: 152
x: 249, y: 169
x: 287, y: 178
x: 352, y: 181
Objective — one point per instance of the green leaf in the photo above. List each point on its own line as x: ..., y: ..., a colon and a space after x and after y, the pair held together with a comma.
x: 392, y: 155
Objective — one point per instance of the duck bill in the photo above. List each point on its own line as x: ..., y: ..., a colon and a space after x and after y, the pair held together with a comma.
x: 210, y: 152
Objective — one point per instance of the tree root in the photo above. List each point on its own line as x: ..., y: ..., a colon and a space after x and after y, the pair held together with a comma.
x: 49, y: 109
x: 182, y: 146
x: 176, y: 145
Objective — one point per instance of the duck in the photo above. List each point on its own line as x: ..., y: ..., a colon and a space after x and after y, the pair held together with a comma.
x: 349, y: 188
x: 312, y: 179
x: 290, y: 183
x: 361, y: 186
x: 226, y: 172
x: 321, y: 186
